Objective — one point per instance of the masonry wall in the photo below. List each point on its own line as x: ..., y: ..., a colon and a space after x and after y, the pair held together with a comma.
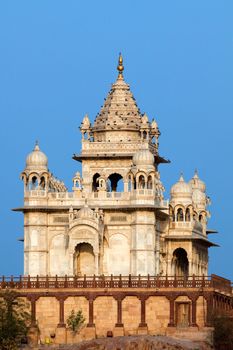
x: 105, y: 316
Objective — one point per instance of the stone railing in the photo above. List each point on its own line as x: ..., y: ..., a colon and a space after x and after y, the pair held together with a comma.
x: 139, y: 196
x: 35, y: 193
x: 196, y: 225
x: 61, y: 195
x: 38, y: 282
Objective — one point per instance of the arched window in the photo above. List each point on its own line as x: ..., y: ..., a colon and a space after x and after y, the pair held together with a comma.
x: 33, y: 183
x: 144, y: 135
x: 141, y: 182
x: 116, y: 183
x: 150, y: 182
x: 180, y: 263
x: 85, y: 135
x: 42, y: 183
x: 180, y: 215
x: 200, y: 218
x: 187, y: 215
x: 95, y: 182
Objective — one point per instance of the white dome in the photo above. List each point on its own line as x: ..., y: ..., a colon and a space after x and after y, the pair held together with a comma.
x: 143, y: 157
x: 181, y: 188
x: 85, y: 212
x: 199, y: 197
x: 196, y: 183
x: 37, y: 159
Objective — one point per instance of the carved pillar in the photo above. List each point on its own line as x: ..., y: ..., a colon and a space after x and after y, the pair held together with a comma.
x: 119, y: 313
x: 209, y: 302
x: 61, y: 312
x: 91, y: 312
x: 172, y: 312
x: 33, y: 331
x: 194, y: 312
x: 33, y: 311
x: 143, y: 313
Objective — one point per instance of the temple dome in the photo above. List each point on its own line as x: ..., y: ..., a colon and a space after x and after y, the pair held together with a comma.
x: 120, y: 110
x: 143, y: 157
x: 197, y: 183
x: 85, y: 212
x: 37, y: 159
x: 181, y: 188
x: 199, y: 197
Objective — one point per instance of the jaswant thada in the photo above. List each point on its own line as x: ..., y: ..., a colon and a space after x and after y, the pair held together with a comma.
x: 115, y: 248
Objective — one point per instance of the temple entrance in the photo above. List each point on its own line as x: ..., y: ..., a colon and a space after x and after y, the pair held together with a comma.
x: 182, y: 314
x: 84, y: 260
x: 180, y: 263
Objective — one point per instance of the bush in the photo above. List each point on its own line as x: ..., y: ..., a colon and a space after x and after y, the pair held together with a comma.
x: 14, y: 320
x: 223, y: 331
x: 75, y: 321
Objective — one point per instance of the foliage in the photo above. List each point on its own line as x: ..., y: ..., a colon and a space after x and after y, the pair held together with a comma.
x: 75, y: 320
x: 14, y: 320
x: 223, y: 331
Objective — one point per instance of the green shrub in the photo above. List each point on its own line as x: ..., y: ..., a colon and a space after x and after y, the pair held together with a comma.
x: 14, y: 320
x: 75, y: 321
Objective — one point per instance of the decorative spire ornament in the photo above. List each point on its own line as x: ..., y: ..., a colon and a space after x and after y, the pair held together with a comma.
x: 120, y: 66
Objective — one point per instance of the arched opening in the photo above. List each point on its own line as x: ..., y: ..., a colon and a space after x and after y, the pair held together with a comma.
x: 115, y: 183
x: 95, y: 182
x: 150, y: 182
x: 144, y: 135
x: 201, y: 218
x: 85, y: 135
x: 141, y: 182
x: 84, y: 260
x: 187, y: 215
x: 77, y: 184
x: 180, y: 263
x: 180, y: 215
x: 42, y: 183
x: 33, y: 183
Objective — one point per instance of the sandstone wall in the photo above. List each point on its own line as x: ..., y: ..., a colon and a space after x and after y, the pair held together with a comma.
x: 105, y: 316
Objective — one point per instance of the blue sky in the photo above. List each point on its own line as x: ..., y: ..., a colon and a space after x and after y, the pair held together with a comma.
x: 57, y: 62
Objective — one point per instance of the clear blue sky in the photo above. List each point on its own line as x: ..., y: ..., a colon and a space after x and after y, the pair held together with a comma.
x: 57, y: 62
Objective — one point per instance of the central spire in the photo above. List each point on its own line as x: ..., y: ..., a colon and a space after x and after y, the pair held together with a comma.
x: 120, y: 66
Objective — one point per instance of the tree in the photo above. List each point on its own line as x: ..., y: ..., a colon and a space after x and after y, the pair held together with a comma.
x: 75, y: 321
x: 14, y: 320
x: 223, y: 331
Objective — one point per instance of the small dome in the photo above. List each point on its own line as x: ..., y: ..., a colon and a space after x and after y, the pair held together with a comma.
x: 144, y: 157
x: 85, y: 212
x: 154, y: 125
x: 37, y: 159
x: 196, y: 183
x: 181, y: 188
x: 144, y: 119
x: 199, y: 197
x: 86, y: 122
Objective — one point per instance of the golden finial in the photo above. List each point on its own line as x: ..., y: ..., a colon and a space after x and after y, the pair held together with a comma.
x: 120, y: 66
